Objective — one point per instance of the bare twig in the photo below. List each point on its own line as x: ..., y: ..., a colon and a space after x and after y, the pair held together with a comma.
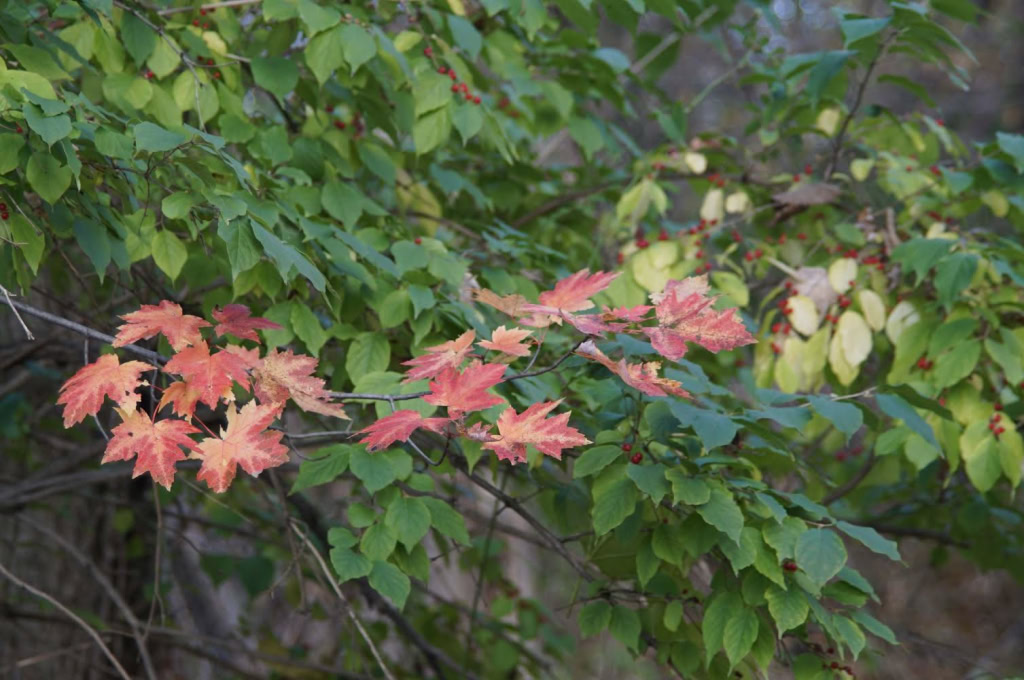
x: 851, y: 483
x: 14, y: 309
x: 71, y: 615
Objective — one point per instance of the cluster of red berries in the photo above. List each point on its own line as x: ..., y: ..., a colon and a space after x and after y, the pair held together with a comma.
x: 782, y: 239
x: 925, y: 364
x: 753, y: 255
x: 636, y: 458
x: 790, y: 565
x: 993, y: 423
x: 844, y: 301
x: 776, y: 348
x: 3, y: 211
x: 779, y: 327
x: 842, y: 455
x: 701, y: 226
x: 716, y: 179
x: 356, y: 123
x: 783, y: 304
x: 457, y: 86
x: 504, y: 104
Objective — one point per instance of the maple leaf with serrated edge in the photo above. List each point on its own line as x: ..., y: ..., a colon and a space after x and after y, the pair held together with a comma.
x: 573, y: 293
x: 685, y: 315
x: 237, y: 320
x: 157, y: 445
x: 181, y: 330
x: 212, y: 375
x: 285, y: 375
x: 466, y: 391
x: 83, y: 393
x: 439, y: 357
x: 632, y: 314
x: 547, y: 435
x: 508, y: 341
x: 511, y: 305
x: 397, y: 427
x: 643, y: 376
x: 182, y: 396
x: 245, y: 442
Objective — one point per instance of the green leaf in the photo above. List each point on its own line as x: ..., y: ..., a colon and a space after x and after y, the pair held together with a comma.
x: 468, y: 120
x: 820, y: 553
x: 169, y: 253
x: 722, y: 512
x: 650, y: 479
x: 378, y: 542
x: 896, y: 407
x: 871, y: 539
x: 410, y: 519
x: 673, y: 615
x: 466, y: 36
x: 95, y: 241
x: 446, y: 520
x: 47, y: 176
x: 784, y: 536
x: 858, y: 29
x: 954, y: 366
x: 1013, y: 145
x: 921, y: 254
x: 277, y: 75
x: 153, y: 138
x: 10, y: 147
x: 369, y: 352
x: 1009, y: 355
x: 30, y: 243
x: 850, y: 634
x: 177, y: 205
x: 287, y: 258
x: 349, y: 565
x: 308, y: 327
x: 52, y: 129
x: 980, y: 454
x: 113, y: 144
x: 242, y: 248
x: 723, y: 607
x: 323, y: 467
x: 374, y: 470
x: 358, y: 45
x: 422, y: 299
x: 686, y: 489
x: 874, y: 626
x: 139, y: 40
x: 324, y: 54
x: 613, y: 503
x: 742, y: 553
x: 788, y: 607
x: 826, y: 68
x: 595, y: 459
x: 587, y: 134
x: 739, y: 635
x: 846, y: 417
x: 625, y: 626
x: 390, y: 582
x: 668, y: 543
x: 317, y: 18
x: 713, y: 429
x: 432, y: 130
x: 345, y: 202
x: 394, y: 309
x: 595, y: 617
x: 954, y: 274
x: 431, y: 91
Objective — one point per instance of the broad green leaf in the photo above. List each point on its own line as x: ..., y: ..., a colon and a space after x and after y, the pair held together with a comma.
x: 374, y: 470
x: 95, y: 242
x: 820, y: 553
x: 846, y: 417
x: 722, y: 608
x: 358, y: 45
x: 788, y: 607
x: 871, y: 539
x: 47, y: 176
x: 739, y: 635
x: 595, y: 617
x: 277, y: 75
x: 322, y: 467
x: 896, y: 407
x: 783, y: 537
x: 855, y: 30
x: 650, y: 479
x: 432, y: 130
x: 153, y: 138
x: 10, y: 147
x: 307, y: 327
x: 954, y: 274
x: 446, y: 520
x: 29, y: 242
x: 349, y: 565
x: 713, y: 429
x: 613, y: 503
x: 324, y: 54
x: 378, y: 542
x: 410, y: 519
x: 390, y: 582
x: 980, y: 454
x: 288, y: 258
x: 1013, y: 145
x: 722, y: 512
x: 51, y: 128
x: 687, y: 489
x: 169, y: 253
x: 673, y: 615
x: 367, y: 353
x: 957, y: 364
x: 625, y: 626
x: 595, y: 459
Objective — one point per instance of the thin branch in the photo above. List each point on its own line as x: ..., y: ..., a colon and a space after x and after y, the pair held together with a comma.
x: 851, y: 483
x: 14, y: 309
x: 344, y: 601
x: 71, y: 615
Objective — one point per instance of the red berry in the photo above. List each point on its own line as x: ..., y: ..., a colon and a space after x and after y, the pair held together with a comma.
x: 642, y: 242
x: 940, y: 122
x: 720, y: 183
x: 834, y: 665
x: 786, y: 329
x: 417, y: 240
x: 796, y: 177
x: 340, y: 124
x: 19, y: 129
x: 736, y: 236
x: 808, y: 169
x: 637, y: 458
x: 776, y: 348
x: 996, y: 417
x: 776, y: 327
x: 749, y: 257
x: 209, y: 62
x: 442, y: 70
x: 782, y: 239
x: 700, y: 254
x: 1000, y: 430
x: 206, y: 25
x: 3, y: 207
x: 787, y: 310
x: 464, y: 87
x: 202, y: 11
x: 935, y: 170
x: 758, y: 253
x: 468, y: 97
x: 663, y: 236
x: 997, y: 406
x: 4, y: 215
x: 329, y: 109
x: 428, y: 52
x: 476, y: 100
x: 789, y: 565
x: 788, y: 285
x: 991, y: 425
x: 627, y: 447
x: 713, y: 222
x: 802, y: 236
x: 195, y: 22
x: 149, y: 74
x: 216, y: 74
x: 451, y: 74
x: 455, y: 88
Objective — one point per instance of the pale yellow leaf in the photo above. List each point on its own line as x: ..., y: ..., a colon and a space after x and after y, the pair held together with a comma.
x: 873, y: 308
x: 903, y: 316
x: 841, y: 273
x: 855, y: 336
x: 804, y: 316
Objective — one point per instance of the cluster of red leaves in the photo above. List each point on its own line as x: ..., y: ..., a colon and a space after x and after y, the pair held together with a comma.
x: 209, y: 377
x: 459, y: 380
x: 682, y: 314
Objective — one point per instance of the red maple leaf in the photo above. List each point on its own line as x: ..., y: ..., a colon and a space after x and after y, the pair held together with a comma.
x: 508, y: 341
x: 642, y: 376
x: 466, y: 391
x: 211, y: 375
x: 439, y: 357
x: 573, y: 293
x: 157, y: 444
x: 180, y: 329
x: 685, y: 315
x: 245, y: 442
x: 284, y: 375
x: 236, y: 320
x: 182, y: 395
x: 397, y: 427
x: 549, y: 436
x: 631, y: 314
x: 83, y: 393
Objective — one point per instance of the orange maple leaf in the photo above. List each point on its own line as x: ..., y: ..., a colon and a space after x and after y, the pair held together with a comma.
x: 643, y: 376
x: 466, y: 391
x: 547, y: 435
x: 83, y: 393
x: 573, y: 293
x: 509, y: 304
x: 244, y: 442
x: 396, y: 427
x: 685, y: 315
x: 508, y: 341
x: 285, y: 375
x: 236, y: 320
x: 157, y: 444
x: 212, y: 375
x: 182, y: 395
x: 180, y: 329
x: 439, y: 357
